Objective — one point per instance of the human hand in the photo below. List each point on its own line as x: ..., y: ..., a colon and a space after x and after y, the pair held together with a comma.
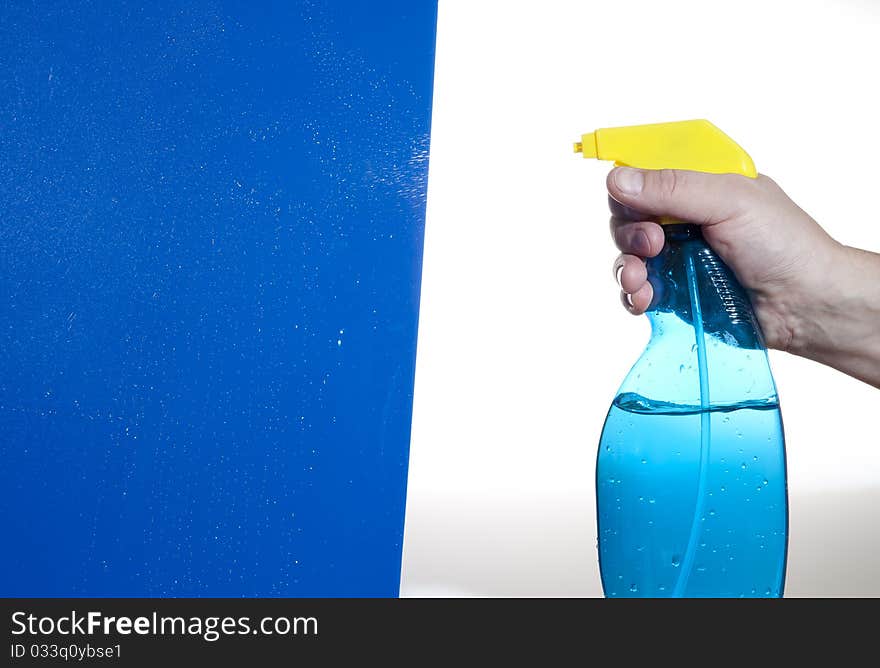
x: 812, y: 295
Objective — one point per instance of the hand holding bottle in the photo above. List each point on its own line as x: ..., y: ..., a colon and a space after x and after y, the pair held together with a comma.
x: 813, y: 296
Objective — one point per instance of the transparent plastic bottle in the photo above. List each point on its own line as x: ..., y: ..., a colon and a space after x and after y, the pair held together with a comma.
x: 691, y: 475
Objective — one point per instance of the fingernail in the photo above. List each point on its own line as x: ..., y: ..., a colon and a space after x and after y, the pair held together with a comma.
x: 628, y: 180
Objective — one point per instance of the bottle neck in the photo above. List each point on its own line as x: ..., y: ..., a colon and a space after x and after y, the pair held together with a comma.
x: 678, y: 232
x: 687, y: 263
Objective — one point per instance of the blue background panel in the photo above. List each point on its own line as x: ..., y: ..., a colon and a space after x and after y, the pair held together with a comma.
x: 210, y: 258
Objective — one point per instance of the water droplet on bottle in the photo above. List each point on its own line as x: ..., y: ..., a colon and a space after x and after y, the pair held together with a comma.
x: 644, y: 461
x: 711, y: 513
x: 743, y: 466
x: 676, y: 561
x: 765, y: 481
x: 723, y: 488
x: 680, y: 368
x: 633, y: 588
x: 652, y: 501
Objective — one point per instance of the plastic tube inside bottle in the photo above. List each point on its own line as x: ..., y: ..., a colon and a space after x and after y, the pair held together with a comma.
x: 687, y: 562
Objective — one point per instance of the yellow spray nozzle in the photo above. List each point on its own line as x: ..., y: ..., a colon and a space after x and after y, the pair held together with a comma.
x: 587, y: 145
x: 695, y: 145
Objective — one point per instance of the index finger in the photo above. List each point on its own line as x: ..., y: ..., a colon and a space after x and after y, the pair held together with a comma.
x: 623, y: 212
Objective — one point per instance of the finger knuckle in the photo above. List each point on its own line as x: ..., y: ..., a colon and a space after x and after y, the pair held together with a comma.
x: 767, y: 183
x: 668, y: 181
x: 743, y: 192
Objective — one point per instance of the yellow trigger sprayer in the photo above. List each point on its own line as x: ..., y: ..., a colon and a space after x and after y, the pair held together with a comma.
x: 690, y: 477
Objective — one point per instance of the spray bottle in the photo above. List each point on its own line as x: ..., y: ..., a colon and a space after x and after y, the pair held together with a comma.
x: 691, y: 476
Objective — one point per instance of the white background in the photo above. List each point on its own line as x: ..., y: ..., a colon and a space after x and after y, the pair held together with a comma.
x: 522, y: 340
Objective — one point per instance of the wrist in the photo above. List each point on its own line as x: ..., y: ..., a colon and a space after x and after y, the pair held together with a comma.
x: 832, y: 315
x: 794, y: 312
x: 815, y: 301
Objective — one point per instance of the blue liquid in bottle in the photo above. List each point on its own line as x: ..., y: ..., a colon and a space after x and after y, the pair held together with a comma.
x: 690, y: 476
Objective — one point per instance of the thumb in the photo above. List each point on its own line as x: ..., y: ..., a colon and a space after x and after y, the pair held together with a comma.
x: 694, y: 197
